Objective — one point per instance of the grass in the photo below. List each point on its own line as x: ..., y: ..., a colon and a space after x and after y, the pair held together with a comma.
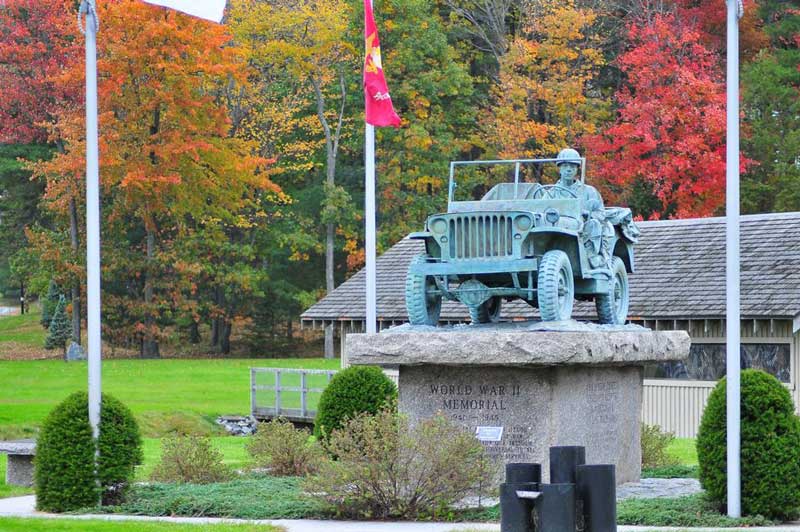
x: 23, y: 334
x: 684, y: 450
x: 75, y: 525
x: 167, y: 396
x: 694, y: 510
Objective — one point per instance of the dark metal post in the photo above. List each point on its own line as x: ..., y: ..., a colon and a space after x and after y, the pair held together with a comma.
x: 516, y: 514
x: 564, y: 462
x: 598, y: 489
x: 521, y: 472
x: 555, y: 508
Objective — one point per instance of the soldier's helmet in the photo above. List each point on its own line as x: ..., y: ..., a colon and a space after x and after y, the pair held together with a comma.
x: 568, y: 155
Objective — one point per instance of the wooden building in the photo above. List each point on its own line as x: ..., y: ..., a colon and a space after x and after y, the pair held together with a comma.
x: 679, y: 283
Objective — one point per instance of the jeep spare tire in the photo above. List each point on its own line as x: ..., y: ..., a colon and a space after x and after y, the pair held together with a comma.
x: 556, y: 287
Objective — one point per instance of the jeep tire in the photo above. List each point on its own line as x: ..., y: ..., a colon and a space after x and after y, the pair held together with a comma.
x: 556, y: 287
x: 612, y: 307
x: 422, y: 308
x: 486, y: 312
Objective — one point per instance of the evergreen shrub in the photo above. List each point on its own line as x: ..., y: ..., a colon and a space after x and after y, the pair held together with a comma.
x: 355, y: 390
x: 64, y: 465
x: 770, y: 447
x: 60, y: 329
x: 190, y: 459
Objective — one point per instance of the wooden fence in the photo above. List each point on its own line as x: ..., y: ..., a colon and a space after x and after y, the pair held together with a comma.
x: 289, y: 393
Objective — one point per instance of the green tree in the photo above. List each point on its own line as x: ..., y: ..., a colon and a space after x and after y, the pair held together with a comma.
x: 771, y: 105
x: 49, y: 303
x: 60, y: 329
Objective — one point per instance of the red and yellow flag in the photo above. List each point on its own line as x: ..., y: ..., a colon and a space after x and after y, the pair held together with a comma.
x: 377, y: 102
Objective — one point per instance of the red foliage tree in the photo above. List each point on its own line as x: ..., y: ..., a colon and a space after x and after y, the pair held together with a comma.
x: 670, y: 131
x: 39, y: 40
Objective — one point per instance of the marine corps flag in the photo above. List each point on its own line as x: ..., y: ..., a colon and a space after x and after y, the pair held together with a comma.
x: 377, y: 102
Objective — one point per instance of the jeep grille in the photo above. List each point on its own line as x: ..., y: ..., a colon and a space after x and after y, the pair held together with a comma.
x: 479, y: 236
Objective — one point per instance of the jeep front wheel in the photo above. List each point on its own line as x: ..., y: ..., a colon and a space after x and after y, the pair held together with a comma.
x: 556, y: 290
x: 422, y: 305
x: 612, y: 307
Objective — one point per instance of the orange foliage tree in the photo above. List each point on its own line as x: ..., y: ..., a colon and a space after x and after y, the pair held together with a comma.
x: 169, y: 168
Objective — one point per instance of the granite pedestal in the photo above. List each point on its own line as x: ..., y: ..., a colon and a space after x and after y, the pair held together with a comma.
x: 19, y: 471
x: 522, y: 391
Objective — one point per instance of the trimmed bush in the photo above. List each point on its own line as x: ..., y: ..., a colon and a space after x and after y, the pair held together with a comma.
x: 654, y: 447
x: 770, y: 447
x: 284, y: 450
x: 190, y: 459
x: 64, y: 465
x: 355, y: 390
x: 385, y: 468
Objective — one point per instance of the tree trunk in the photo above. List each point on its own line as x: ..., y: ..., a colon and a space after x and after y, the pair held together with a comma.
x: 194, y: 333
x: 289, y: 329
x: 76, y: 284
x: 22, y: 298
x: 149, y: 343
x: 331, y: 148
x: 225, y: 338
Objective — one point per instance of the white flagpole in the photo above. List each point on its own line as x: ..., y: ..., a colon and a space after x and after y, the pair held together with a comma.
x: 369, y: 214
x: 369, y: 208
x: 733, y: 321
x: 92, y: 217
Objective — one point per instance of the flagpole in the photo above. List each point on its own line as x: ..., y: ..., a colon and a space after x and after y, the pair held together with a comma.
x: 733, y: 318
x: 92, y: 218
x: 369, y: 200
x: 369, y: 213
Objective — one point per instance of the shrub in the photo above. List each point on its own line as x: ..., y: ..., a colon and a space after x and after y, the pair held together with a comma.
x: 190, y: 459
x: 285, y: 450
x: 654, y: 447
x: 60, y: 329
x: 64, y: 465
x: 385, y: 468
x: 770, y: 447
x: 353, y: 391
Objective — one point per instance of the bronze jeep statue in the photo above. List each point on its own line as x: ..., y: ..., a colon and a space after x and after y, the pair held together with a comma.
x: 545, y: 244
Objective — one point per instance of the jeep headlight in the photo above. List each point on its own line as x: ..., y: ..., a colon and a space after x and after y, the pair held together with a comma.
x: 552, y: 216
x: 523, y: 223
x: 438, y: 226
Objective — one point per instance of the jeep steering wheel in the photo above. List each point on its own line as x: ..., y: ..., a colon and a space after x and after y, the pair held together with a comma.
x: 551, y: 192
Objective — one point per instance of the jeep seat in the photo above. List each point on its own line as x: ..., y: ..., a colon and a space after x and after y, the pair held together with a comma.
x: 505, y: 191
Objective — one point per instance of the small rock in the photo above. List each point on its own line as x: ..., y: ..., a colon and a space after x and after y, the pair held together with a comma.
x: 75, y: 352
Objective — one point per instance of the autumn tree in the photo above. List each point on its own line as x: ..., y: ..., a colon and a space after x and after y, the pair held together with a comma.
x: 39, y: 41
x: 546, y: 98
x: 669, y: 135
x: 307, y: 40
x: 168, y: 162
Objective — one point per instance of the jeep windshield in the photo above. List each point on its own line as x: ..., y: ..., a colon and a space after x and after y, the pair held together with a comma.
x: 504, y: 180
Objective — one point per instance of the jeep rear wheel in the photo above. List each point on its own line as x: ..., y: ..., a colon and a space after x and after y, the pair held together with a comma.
x: 612, y: 307
x: 422, y: 306
x: 486, y: 312
x: 556, y: 290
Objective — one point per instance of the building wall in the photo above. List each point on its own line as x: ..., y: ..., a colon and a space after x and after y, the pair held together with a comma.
x: 677, y: 405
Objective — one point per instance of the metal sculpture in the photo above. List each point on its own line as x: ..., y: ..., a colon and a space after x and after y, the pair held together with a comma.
x: 544, y: 244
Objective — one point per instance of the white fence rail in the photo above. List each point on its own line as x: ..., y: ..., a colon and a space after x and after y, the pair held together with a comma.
x: 674, y: 405
x: 289, y: 393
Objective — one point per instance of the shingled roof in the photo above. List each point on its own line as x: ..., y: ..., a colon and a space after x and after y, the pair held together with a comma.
x: 680, y: 274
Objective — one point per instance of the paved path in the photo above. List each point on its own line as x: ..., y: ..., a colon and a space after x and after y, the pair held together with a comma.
x: 24, y: 507
x: 652, y: 488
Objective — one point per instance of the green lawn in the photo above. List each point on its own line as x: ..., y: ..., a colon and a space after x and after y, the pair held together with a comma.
x: 22, y: 334
x: 183, y: 395
x: 684, y: 450
x: 74, y: 525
